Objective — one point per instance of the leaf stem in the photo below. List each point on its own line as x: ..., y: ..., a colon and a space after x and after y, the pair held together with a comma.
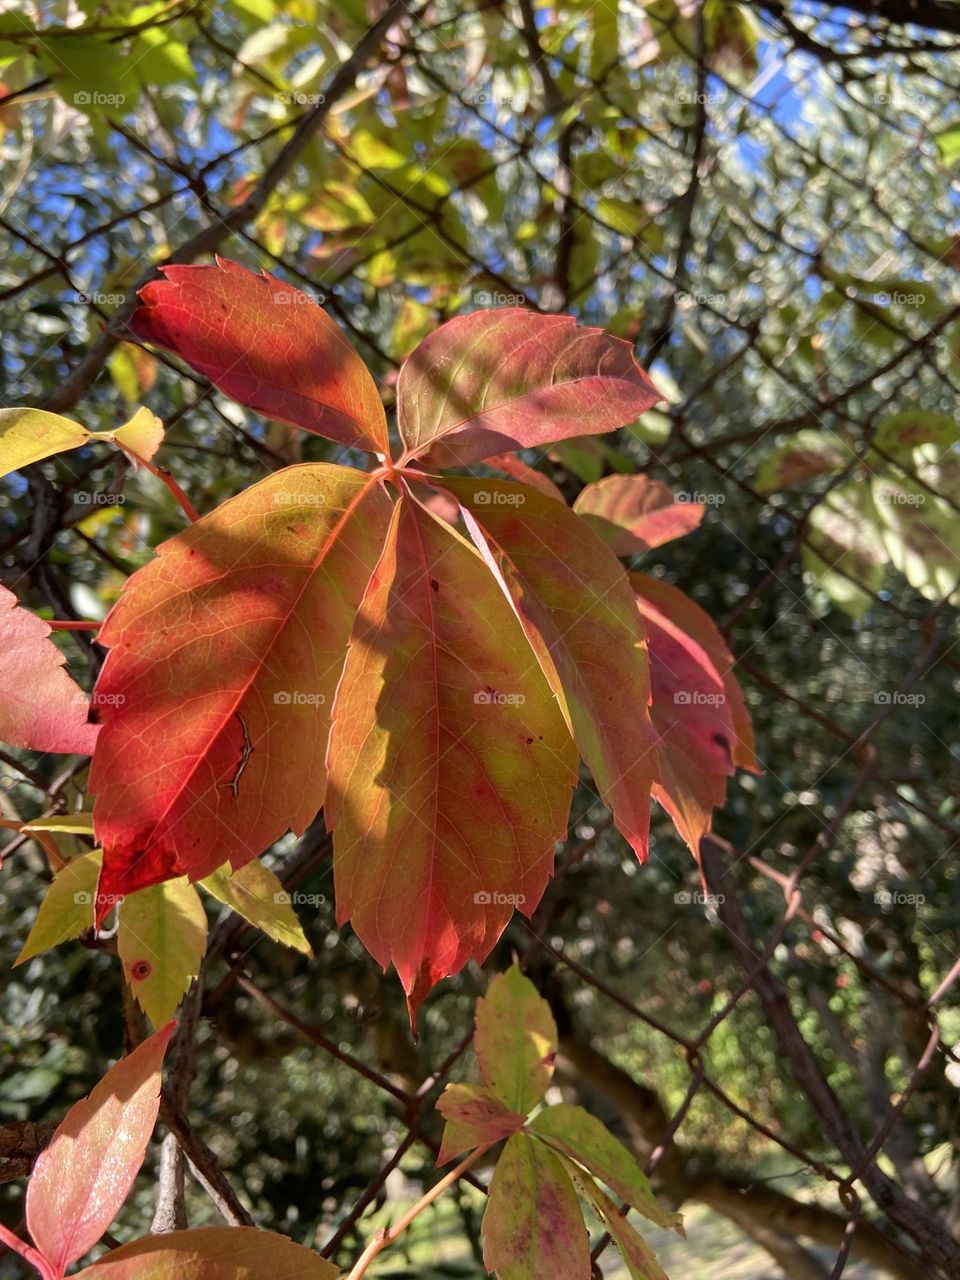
x: 71, y: 624
x: 163, y: 475
x: 390, y: 1234
x: 27, y: 1252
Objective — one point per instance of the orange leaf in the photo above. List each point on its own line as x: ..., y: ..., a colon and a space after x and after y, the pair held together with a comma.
x: 224, y: 658
x: 574, y: 602
x: 268, y: 345
x: 450, y: 768
x: 80, y: 1181
x: 495, y: 381
x: 634, y: 513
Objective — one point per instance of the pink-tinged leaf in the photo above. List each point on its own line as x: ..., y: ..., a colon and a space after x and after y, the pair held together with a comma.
x: 532, y: 1226
x: 582, y: 1137
x: 576, y: 607
x: 450, y: 768
x: 225, y: 652
x: 80, y: 1181
x: 41, y: 708
x: 474, y: 1117
x: 639, y: 1259
x: 492, y: 382
x: 634, y: 513
x: 268, y: 345
x: 212, y: 1253
x: 698, y: 708
x: 515, y: 1041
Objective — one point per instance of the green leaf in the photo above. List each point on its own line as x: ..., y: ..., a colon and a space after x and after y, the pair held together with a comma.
x: 515, y: 1041
x: 582, y: 1137
x: 29, y: 435
x: 67, y: 910
x: 806, y: 454
x: 474, y: 1117
x: 255, y: 893
x: 900, y: 434
x: 844, y: 554
x: 948, y: 143
x: 640, y: 1261
x: 161, y: 941
x: 532, y: 1227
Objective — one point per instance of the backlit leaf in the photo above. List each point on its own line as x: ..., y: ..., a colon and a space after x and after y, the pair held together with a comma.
x: 248, y: 611
x: 161, y: 941
x: 806, y: 454
x: 474, y: 1117
x: 450, y: 768
x: 29, y: 435
x: 574, y: 602
x: 634, y: 513
x: 255, y: 893
x: 41, y: 707
x: 496, y: 381
x: 515, y: 1040
x: 212, y: 1253
x: 582, y: 1137
x: 268, y: 345
x: 698, y: 709
x: 67, y: 909
x: 639, y: 1258
x: 80, y: 1181
x: 532, y: 1226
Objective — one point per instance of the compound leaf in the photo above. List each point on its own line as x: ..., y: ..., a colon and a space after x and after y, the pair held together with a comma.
x: 515, y: 1040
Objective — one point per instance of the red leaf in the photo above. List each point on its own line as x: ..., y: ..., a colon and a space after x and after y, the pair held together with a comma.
x: 698, y: 708
x: 41, y: 708
x: 517, y: 469
x: 634, y: 513
x: 225, y: 653
x: 80, y: 1181
x: 450, y: 768
x: 268, y: 345
x: 492, y: 382
x: 574, y: 602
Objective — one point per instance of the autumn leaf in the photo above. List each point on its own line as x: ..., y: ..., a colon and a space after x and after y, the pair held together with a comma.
x: 515, y: 1040
x: 474, y: 1117
x: 577, y: 610
x: 634, y: 513
x: 450, y: 768
x: 212, y: 1253
x: 698, y: 708
x: 639, y: 1258
x: 268, y: 345
x: 41, y: 708
x: 492, y: 382
x: 80, y: 1181
x: 161, y: 939
x: 248, y: 612
x: 532, y: 1226
x: 575, y: 1133
x: 29, y: 435
x: 67, y: 909
x: 256, y: 894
